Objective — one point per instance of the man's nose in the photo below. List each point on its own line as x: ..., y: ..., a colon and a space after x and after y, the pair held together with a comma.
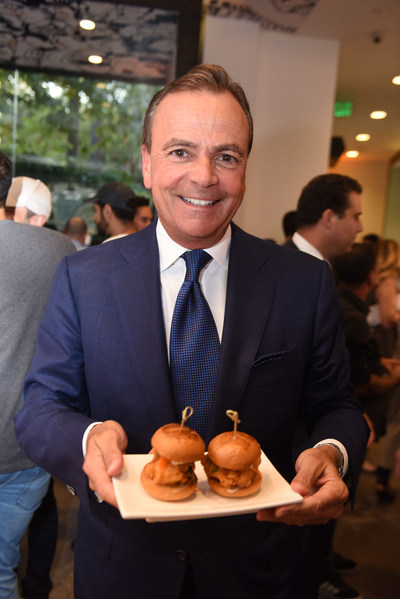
x: 203, y: 172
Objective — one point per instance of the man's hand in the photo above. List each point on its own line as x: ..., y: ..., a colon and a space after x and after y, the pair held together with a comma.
x: 318, y: 481
x: 105, y: 446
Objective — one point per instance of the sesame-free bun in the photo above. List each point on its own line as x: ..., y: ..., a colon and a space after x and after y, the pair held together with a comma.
x: 166, y: 492
x: 179, y: 446
x: 234, y: 451
x: 236, y: 491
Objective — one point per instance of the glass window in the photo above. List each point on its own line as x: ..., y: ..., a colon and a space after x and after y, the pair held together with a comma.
x: 73, y: 133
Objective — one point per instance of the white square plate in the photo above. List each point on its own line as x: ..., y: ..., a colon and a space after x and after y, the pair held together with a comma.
x: 134, y: 502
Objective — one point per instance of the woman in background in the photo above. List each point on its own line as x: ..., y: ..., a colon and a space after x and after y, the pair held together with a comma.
x: 388, y: 333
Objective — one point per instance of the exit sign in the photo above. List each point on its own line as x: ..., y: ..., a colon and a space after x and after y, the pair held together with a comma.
x: 343, y: 109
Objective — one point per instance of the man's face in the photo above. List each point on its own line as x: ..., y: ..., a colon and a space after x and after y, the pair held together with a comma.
x: 143, y: 217
x: 196, y: 165
x: 347, y: 227
x: 99, y: 219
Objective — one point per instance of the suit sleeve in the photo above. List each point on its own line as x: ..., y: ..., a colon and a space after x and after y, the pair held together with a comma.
x: 331, y: 408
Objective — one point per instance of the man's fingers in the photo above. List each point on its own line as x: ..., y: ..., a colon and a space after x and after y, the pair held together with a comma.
x: 324, y: 505
x: 323, y: 491
x: 104, y: 458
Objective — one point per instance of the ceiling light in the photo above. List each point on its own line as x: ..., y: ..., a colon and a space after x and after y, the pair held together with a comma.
x: 363, y: 137
x: 95, y: 59
x: 87, y: 24
x: 352, y: 154
x: 396, y: 80
x: 378, y: 114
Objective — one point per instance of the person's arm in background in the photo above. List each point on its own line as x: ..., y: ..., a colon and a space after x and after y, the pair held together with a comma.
x: 386, y: 297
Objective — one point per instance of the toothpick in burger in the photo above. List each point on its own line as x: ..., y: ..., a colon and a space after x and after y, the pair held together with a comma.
x: 170, y: 475
x: 231, y: 464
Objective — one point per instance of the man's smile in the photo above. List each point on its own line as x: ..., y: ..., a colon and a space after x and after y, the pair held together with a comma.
x: 196, y: 202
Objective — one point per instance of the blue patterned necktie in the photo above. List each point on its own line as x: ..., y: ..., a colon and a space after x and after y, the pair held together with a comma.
x: 194, y: 346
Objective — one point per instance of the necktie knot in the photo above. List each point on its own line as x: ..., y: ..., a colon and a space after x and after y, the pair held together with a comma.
x: 195, y: 262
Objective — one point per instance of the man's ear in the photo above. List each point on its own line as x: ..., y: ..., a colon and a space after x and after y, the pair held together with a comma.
x: 37, y: 220
x: 146, y: 167
x: 107, y: 212
x: 329, y: 218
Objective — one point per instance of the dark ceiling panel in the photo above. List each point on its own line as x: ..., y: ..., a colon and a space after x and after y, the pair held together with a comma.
x: 139, y: 41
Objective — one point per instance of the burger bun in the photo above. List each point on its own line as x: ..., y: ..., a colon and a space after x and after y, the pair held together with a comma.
x: 235, y: 451
x: 178, y: 445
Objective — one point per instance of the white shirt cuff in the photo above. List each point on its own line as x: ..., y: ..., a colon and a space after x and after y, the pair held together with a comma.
x: 85, y: 436
x: 342, y: 449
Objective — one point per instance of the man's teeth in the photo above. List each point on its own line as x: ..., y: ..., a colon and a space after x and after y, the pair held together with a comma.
x: 197, y: 202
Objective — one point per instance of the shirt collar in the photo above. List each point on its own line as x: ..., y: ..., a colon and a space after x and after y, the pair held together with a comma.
x: 170, y: 251
x: 305, y: 246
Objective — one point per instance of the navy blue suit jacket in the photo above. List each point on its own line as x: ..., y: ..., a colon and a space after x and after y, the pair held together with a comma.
x: 101, y: 354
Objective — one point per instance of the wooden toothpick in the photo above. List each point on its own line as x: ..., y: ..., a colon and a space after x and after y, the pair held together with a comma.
x: 233, y: 415
x: 186, y: 413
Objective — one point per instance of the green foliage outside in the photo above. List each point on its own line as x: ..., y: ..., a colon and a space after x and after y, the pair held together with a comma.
x: 73, y: 133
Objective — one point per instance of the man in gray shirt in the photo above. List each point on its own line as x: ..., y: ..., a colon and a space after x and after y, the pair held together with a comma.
x: 29, y: 257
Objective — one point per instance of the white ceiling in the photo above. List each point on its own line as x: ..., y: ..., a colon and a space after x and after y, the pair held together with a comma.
x: 369, y: 34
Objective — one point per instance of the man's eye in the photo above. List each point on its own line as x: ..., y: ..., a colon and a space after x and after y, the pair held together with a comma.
x: 227, y: 158
x: 179, y: 153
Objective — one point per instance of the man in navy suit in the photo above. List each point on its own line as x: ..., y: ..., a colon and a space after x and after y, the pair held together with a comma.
x: 100, y: 381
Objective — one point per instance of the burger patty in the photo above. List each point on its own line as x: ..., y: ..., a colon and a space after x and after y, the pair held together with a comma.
x: 164, y: 472
x: 229, y: 479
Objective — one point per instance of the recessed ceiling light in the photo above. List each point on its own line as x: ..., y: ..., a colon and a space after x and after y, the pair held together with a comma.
x: 87, y: 24
x: 378, y: 114
x: 396, y: 80
x: 363, y: 137
x: 95, y: 59
x: 352, y: 154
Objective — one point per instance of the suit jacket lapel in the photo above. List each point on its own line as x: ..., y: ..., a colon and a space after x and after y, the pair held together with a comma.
x: 136, y: 287
x: 248, y: 304
x: 140, y: 313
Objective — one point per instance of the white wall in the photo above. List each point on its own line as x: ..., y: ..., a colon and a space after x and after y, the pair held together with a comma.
x: 290, y: 82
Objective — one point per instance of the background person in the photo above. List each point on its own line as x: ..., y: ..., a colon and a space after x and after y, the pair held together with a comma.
x: 143, y: 214
x: 29, y: 201
x: 289, y: 224
x: 328, y: 216
x: 384, y: 315
x: 76, y: 229
x: 115, y: 206
x: 328, y: 220
x: 105, y: 341
x: 29, y: 257
x: 374, y: 376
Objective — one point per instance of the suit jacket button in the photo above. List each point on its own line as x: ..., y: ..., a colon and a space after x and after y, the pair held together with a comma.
x: 182, y: 555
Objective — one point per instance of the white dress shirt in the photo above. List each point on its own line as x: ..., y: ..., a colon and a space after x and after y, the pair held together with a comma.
x: 213, y: 278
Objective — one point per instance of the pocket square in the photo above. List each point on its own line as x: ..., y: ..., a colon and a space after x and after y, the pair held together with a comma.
x: 270, y: 357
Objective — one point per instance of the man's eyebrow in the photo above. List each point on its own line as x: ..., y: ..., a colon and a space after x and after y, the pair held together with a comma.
x: 230, y: 148
x: 176, y: 142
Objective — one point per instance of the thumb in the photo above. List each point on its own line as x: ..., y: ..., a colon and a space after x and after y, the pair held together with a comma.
x: 302, y: 485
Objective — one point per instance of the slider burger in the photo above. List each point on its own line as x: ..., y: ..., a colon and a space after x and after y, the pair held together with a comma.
x: 170, y: 475
x: 231, y: 464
